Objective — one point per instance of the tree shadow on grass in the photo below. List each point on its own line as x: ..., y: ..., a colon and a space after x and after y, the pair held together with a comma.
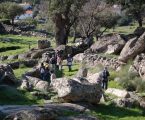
x: 20, y: 41
x: 108, y: 112
x: 12, y: 96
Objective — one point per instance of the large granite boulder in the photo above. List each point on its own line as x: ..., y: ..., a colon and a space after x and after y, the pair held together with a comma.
x: 42, y: 44
x: 132, y: 48
x: 50, y: 111
x: 111, y: 43
x: 35, y: 83
x: 114, y: 49
x: 77, y: 90
x: 35, y: 114
x: 7, y: 75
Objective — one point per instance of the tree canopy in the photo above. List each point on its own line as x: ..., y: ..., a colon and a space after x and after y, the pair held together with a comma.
x: 9, y: 10
x: 133, y: 8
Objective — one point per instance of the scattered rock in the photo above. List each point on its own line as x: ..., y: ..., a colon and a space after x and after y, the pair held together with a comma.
x: 37, y: 83
x: 126, y: 102
x: 2, y: 58
x: 118, y: 92
x: 42, y: 44
x: 12, y: 57
x: 95, y: 78
x: 23, y: 56
x: 6, y: 75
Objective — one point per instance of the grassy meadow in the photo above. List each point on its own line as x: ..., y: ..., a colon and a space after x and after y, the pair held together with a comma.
x: 103, y: 111
x: 15, y: 40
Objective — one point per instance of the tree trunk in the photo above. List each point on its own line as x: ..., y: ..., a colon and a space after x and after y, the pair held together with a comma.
x: 139, y: 19
x: 13, y: 24
x: 61, y: 35
x: 139, y: 22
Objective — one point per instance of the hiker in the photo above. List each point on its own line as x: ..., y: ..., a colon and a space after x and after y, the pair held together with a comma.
x: 105, y: 75
x: 59, y: 62
x: 47, y: 73
x: 47, y: 59
x: 42, y: 71
x: 52, y: 76
x: 53, y: 62
x: 69, y: 62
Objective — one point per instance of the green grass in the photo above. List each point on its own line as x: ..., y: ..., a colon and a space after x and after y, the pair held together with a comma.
x: 16, y: 40
x: 114, y: 84
x: 75, y: 68
x: 19, y: 72
x: 110, y: 112
x: 124, y: 29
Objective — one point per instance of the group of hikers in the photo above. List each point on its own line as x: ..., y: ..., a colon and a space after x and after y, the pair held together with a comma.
x: 54, y: 62
x: 48, y: 69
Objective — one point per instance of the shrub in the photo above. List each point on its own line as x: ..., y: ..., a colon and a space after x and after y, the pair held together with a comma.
x: 29, y: 21
x: 129, y: 81
x: 124, y: 21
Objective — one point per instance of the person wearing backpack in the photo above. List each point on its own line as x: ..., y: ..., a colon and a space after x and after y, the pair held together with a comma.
x: 42, y: 71
x: 105, y: 75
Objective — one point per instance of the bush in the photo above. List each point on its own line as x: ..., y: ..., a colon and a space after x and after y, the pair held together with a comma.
x: 129, y: 81
x: 28, y: 21
x: 124, y: 21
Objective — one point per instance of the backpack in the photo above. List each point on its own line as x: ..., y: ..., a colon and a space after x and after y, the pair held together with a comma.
x: 52, y: 61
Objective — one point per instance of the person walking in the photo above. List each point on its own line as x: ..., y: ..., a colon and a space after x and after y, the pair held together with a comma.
x: 69, y: 62
x: 105, y: 75
x: 59, y: 62
x: 47, y: 73
x: 53, y: 62
x: 52, y: 76
x: 42, y: 71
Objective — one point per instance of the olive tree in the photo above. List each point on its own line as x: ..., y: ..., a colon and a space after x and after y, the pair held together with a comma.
x: 64, y: 14
x: 133, y: 8
x: 9, y: 10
